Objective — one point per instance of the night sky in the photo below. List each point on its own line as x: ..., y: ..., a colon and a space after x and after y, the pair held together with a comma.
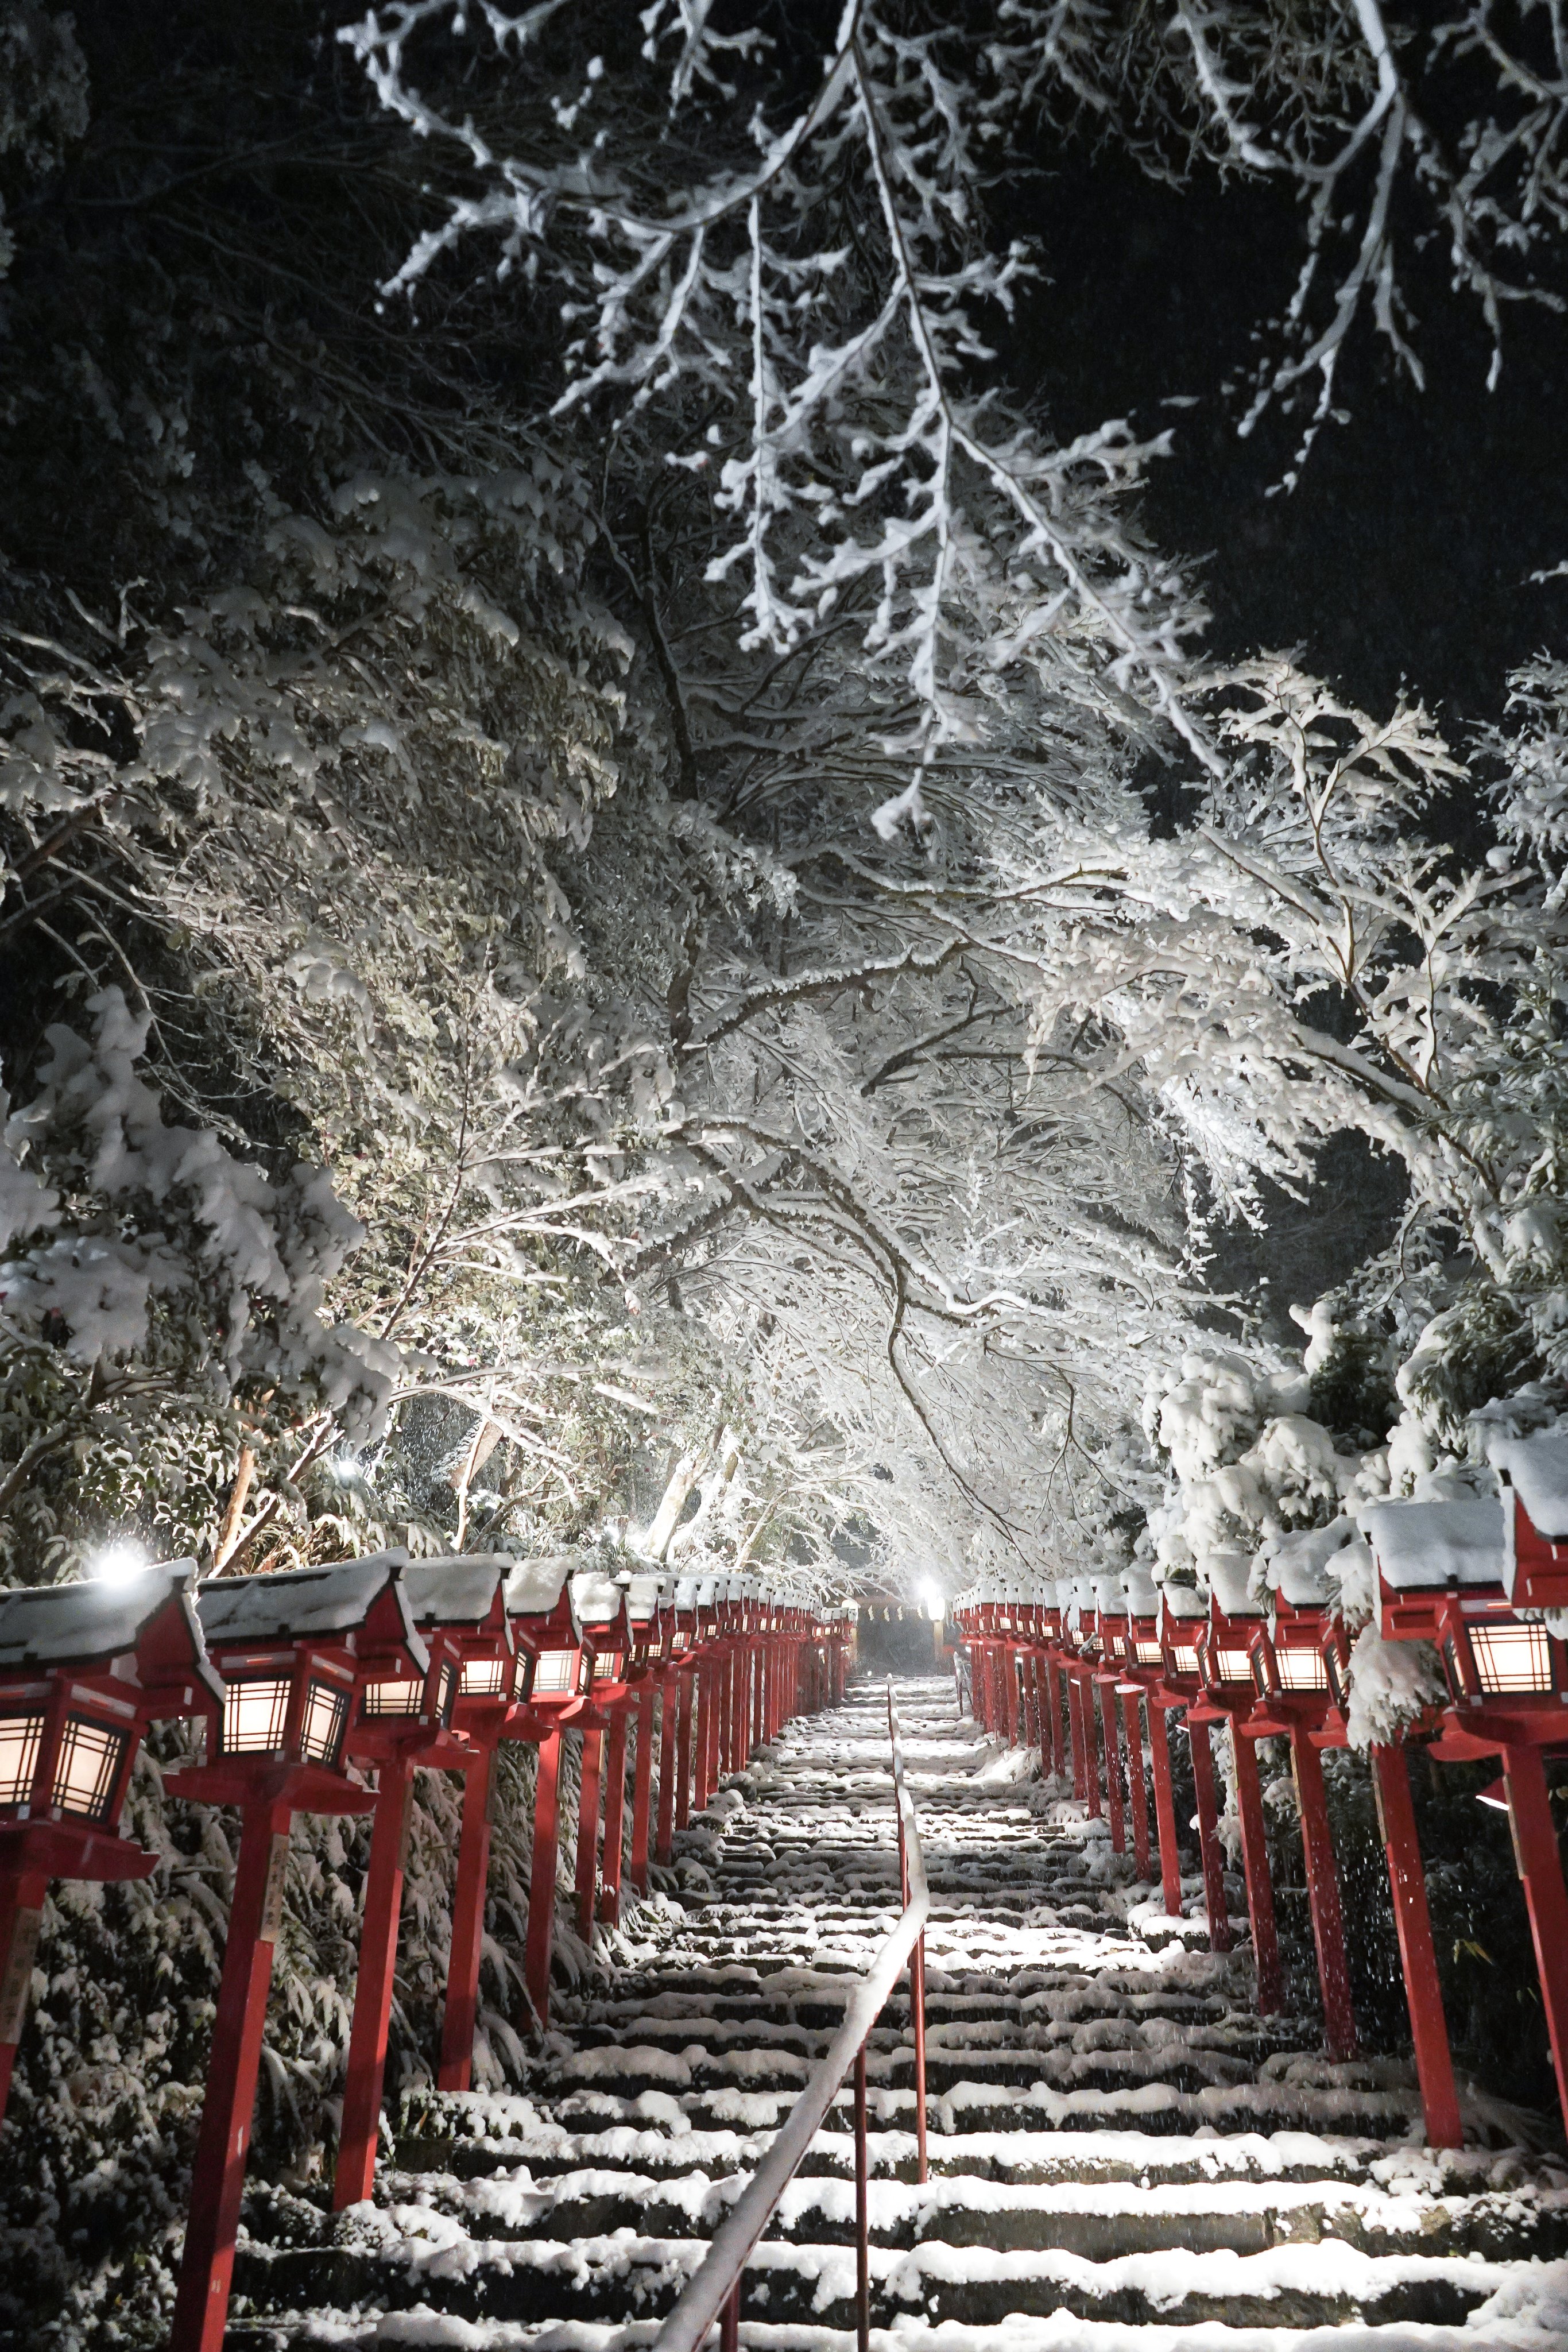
x: 1404, y: 553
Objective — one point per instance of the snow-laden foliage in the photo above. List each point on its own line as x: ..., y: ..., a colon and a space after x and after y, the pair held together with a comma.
x: 808, y: 286
x: 149, y: 1283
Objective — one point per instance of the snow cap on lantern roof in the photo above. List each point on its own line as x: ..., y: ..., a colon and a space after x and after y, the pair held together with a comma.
x: 459, y: 1589
x: 1229, y: 1573
x: 1143, y: 1593
x: 1536, y: 1467
x: 1422, y: 1546
x: 1183, y: 1601
x: 688, y: 1589
x: 1110, y: 1596
x: 708, y: 1593
x: 643, y: 1595
x: 1296, y: 1566
x: 79, y: 1624
x: 596, y: 1598
x: 306, y: 1603
x: 534, y: 1586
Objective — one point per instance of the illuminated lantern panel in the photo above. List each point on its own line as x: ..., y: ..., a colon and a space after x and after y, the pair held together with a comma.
x: 679, y: 1640
x: 1511, y: 1657
x: 1144, y: 1654
x: 256, y: 1708
x: 606, y: 1666
x: 21, y: 1736
x: 487, y: 1677
x: 1301, y: 1670
x: 88, y: 1768
x: 383, y: 1699
x: 326, y: 1720
x: 557, y: 1672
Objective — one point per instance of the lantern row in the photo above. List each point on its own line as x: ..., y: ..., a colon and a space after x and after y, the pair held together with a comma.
x: 323, y: 1691
x: 1485, y: 1579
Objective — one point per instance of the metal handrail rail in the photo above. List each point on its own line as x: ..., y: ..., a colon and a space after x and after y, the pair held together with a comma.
x: 713, y: 2291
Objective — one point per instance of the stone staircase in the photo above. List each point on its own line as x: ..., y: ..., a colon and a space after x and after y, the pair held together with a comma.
x: 1124, y: 2158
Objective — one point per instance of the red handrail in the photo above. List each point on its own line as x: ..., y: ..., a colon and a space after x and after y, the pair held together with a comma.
x: 714, y: 2293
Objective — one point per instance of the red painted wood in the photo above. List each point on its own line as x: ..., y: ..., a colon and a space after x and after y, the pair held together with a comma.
x: 207, y: 2268
x: 1053, y: 1718
x: 1113, y: 1747
x: 740, y: 1695
x: 1322, y: 1893
x: 1010, y: 1695
x: 22, y: 1893
x: 713, y: 1763
x: 1094, y: 1793
x: 1540, y: 1868
x: 669, y: 1753
x: 1407, y: 1885
x: 1220, y: 1936
x: 705, y: 1711
x: 1138, y: 1795
x: 685, y: 1749
x: 588, y: 1830
x: 729, y: 1684
x: 614, y: 1816
x: 1075, y: 1733
x: 354, y: 2176
x: 1259, y: 1886
x: 540, y: 1938
x: 1165, y: 1811
x: 642, y: 1790
x: 455, y: 2072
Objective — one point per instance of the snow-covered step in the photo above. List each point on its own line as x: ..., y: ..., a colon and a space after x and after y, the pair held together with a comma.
x: 1099, y: 2220
x: 1528, y: 2314
x: 406, y: 2255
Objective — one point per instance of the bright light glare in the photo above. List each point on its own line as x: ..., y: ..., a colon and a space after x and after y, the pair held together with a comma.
x: 117, y: 1563
x: 935, y: 1601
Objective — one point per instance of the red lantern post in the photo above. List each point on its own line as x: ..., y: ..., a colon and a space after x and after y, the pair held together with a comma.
x: 84, y: 1669
x: 1462, y: 1575
x: 404, y: 1721
x: 288, y: 1649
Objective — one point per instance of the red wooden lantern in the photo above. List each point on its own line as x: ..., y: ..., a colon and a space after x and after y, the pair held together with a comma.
x: 1140, y: 1675
x: 1184, y: 1617
x: 599, y: 1606
x: 650, y: 1622
x: 500, y: 1653
x: 289, y: 1649
x: 84, y: 1668
x: 554, y: 1675
x: 403, y: 1722
x: 1441, y: 1570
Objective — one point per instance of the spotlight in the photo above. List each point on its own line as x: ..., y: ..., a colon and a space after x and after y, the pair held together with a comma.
x: 935, y: 1602
x: 119, y: 1562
